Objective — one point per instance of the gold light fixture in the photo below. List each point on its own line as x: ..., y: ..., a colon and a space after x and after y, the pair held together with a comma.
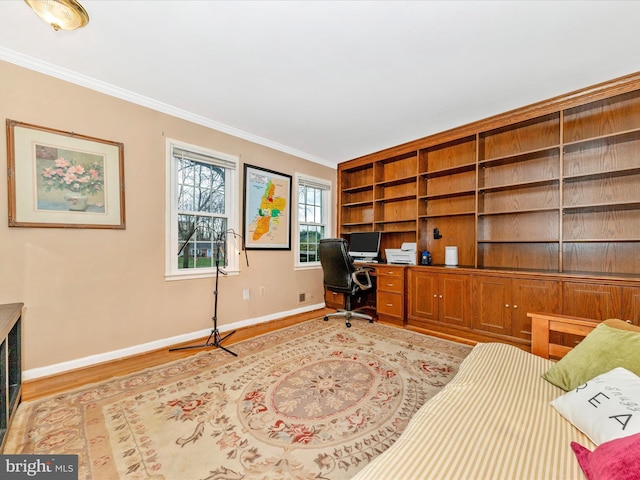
x: 60, y: 14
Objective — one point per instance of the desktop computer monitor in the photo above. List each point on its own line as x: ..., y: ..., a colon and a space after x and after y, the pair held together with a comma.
x: 364, y: 245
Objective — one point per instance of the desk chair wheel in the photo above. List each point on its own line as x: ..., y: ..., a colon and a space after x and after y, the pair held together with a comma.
x: 326, y: 318
x: 348, y: 325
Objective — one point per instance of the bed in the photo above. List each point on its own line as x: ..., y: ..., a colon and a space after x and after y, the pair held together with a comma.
x: 494, y: 419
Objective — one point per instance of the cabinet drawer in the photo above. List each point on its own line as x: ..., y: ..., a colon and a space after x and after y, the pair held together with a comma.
x: 389, y: 303
x: 333, y: 299
x: 385, y: 270
x: 389, y: 283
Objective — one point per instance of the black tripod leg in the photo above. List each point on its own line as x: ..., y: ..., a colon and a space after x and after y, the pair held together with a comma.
x: 217, y: 342
x: 205, y: 344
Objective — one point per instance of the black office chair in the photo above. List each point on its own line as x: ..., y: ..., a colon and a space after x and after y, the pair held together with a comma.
x: 342, y: 276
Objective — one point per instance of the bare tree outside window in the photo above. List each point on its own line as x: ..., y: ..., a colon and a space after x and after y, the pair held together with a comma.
x: 201, y: 213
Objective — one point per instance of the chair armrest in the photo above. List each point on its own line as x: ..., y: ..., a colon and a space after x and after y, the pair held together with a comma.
x: 363, y: 283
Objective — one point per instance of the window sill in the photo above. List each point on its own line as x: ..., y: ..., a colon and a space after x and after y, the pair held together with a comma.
x: 303, y: 266
x: 171, y: 277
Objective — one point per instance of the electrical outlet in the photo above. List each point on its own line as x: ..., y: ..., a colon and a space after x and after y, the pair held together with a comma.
x: 245, y: 294
x: 262, y: 290
x: 302, y: 297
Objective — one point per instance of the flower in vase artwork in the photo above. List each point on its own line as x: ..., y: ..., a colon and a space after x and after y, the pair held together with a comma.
x: 69, y: 180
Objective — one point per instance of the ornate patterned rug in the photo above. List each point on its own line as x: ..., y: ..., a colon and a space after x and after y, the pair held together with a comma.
x: 312, y: 401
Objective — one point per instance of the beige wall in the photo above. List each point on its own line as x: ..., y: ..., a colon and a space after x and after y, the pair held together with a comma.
x: 90, y: 291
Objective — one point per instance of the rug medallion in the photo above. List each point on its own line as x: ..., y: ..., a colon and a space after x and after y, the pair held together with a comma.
x: 312, y: 401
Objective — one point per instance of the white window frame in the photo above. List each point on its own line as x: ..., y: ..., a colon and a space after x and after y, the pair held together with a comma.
x: 326, y: 186
x: 172, y: 247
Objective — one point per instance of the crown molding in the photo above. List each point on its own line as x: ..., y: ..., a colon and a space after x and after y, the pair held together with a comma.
x: 76, y: 78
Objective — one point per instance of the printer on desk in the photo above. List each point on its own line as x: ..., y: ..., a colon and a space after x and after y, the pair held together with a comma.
x: 405, y: 255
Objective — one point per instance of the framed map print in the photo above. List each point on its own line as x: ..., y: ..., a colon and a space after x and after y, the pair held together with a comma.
x: 267, y: 209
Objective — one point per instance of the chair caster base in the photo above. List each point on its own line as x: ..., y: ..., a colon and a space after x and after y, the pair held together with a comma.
x: 348, y: 315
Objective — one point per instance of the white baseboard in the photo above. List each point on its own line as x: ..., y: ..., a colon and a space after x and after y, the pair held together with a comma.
x: 155, y: 345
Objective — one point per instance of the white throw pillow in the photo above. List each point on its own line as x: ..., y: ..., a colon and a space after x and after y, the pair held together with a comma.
x: 606, y: 407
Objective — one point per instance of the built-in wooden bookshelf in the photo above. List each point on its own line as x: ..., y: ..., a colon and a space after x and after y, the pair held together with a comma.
x: 447, y: 200
x: 601, y: 194
x: 550, y: 189
x: 381, y: 196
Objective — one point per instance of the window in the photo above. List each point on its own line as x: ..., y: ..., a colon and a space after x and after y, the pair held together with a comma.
x: 314, y: 216
x: 201, y: 211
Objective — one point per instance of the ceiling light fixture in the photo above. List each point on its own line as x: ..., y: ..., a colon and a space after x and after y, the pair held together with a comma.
x: 60, y: 14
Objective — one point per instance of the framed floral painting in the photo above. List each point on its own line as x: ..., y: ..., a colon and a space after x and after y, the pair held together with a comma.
x: 63, y: 179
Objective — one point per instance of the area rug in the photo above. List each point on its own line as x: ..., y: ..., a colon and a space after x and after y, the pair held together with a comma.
x: 312, y: 401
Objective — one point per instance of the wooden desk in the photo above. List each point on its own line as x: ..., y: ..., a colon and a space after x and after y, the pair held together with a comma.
x: 386, y: 299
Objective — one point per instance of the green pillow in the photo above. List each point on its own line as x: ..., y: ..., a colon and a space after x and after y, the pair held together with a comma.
x: 604, y: 349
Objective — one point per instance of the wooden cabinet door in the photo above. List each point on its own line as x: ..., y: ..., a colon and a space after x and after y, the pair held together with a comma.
x: 531, y: 296
x: 591, y: 300
x: 493, y: 304
x: 423, y: 296
x: 631, y: 304
x: 454, y: 299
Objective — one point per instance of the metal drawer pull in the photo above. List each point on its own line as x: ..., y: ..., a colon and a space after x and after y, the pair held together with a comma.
x: 389, y: 304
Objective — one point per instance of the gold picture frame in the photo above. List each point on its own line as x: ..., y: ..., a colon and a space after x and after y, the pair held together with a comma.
x: 63, y: 179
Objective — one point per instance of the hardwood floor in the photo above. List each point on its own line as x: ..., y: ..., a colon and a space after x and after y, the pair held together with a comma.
x: 40, y: 387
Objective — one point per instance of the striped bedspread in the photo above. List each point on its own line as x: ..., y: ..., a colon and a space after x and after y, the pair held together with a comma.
x: 492, y: 421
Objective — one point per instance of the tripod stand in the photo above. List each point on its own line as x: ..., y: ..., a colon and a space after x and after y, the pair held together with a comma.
x: 214, y: 340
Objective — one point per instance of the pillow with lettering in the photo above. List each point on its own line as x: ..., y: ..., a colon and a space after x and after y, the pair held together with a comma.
x: 606, y: 407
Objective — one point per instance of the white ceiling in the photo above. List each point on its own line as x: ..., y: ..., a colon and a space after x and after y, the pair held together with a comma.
x: 331, y: 80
